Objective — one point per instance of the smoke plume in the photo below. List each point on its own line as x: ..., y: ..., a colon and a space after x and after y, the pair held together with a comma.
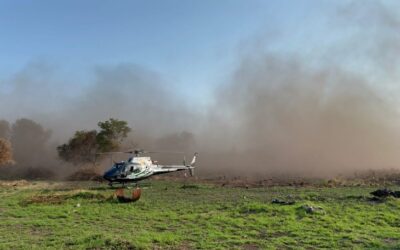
x: 331, y: 111
x: 278, y: 116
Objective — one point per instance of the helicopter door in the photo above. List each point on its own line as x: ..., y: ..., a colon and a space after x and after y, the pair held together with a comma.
x: 134, y: 168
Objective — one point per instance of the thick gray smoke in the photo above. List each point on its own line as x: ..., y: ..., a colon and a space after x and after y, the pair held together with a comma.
x: 331, y: 112
x: 127, y: 92
x: 134, y: 94
x: 278, y: 116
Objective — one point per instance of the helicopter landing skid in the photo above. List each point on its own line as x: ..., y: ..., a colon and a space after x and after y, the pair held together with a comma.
x: 123, y: 184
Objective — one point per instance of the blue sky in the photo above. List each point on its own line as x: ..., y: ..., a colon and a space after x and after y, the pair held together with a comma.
x: 193, y: 44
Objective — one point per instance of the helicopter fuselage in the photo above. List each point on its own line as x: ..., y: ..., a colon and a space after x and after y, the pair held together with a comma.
x: 140, y: 168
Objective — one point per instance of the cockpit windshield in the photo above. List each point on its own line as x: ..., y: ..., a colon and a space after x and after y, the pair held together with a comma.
x: 119, y: 165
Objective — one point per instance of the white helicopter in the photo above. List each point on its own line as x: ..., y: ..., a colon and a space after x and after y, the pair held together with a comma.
x: 138, y: 168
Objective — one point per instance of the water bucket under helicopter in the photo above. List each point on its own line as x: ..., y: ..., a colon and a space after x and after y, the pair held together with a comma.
x: 134, y: 195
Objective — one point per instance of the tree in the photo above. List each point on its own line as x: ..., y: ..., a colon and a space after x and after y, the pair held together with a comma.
x: 29, y: 141
x: 84, y: 145
x: 5, y: 152
x: 111, y: 134
x: 81, y: 148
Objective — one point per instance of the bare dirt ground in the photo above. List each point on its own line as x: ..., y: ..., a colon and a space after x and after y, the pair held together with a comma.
x: 365, y: 178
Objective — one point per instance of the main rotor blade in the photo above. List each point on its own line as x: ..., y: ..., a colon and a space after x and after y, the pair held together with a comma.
x: 108, y: 153
x: 164, y: 152
x: 140, y: 151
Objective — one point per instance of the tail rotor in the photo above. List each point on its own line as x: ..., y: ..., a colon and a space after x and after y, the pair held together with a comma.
x: 192, y: 164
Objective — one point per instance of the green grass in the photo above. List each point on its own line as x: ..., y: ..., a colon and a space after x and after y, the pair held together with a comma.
x: 47, y: 216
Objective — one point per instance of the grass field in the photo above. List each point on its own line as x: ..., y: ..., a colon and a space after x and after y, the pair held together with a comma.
x: 84, y: 215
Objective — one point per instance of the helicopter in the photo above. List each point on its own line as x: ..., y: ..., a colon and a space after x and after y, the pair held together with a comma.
x: 138, y: 168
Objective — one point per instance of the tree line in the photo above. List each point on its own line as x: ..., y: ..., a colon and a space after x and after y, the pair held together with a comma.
x: 85, y: 146
x: 26, y: 142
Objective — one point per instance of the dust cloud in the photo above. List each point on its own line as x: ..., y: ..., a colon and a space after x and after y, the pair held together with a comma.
x: 277, y: 113
x: 333, y: 110
x: 278, y: 116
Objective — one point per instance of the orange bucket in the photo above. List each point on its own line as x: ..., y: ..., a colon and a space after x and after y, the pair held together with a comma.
x: 136, y: 193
